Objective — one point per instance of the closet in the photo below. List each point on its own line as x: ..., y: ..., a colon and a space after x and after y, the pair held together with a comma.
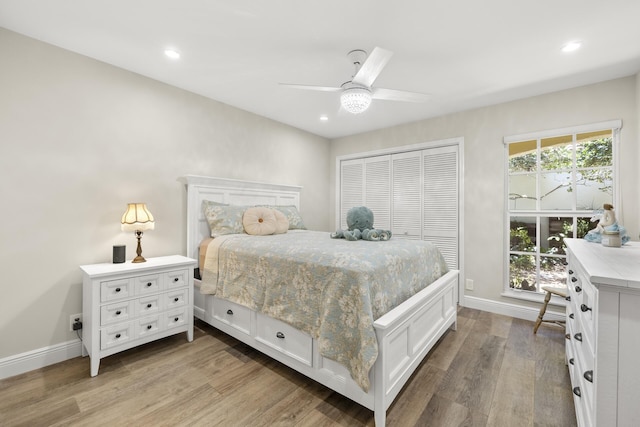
x: 414, y: 192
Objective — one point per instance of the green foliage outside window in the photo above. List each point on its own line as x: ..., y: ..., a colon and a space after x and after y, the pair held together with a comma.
x: 593, y: 164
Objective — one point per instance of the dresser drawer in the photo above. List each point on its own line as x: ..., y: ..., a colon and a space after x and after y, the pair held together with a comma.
x: 176, y: 318
x: 112, y: 290
x: 117, y: 312
x: 232, y: 314
x: 148, y: 326
x: 116, y: 335
x: 284, y: 338
x: 176, y: 279
x: 147, y: 284
x: 149, y: 305
x: 175, y: 298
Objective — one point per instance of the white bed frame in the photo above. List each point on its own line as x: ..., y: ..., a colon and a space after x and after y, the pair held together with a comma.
x: 405, y: 334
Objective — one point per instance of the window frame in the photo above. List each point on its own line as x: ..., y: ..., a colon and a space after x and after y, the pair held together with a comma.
x: 615, y: 126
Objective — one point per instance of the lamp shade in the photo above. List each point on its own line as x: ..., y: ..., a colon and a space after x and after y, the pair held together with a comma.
x: 137, y: 218
x: 355, y: 99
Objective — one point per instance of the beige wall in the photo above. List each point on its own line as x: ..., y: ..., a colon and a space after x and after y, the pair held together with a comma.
x: 483, y: 131
x: 78, y: 140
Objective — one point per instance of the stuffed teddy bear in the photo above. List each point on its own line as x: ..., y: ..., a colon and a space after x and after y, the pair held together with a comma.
x: 360, y: 226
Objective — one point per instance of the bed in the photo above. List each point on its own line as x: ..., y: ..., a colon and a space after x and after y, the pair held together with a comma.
x: 402, y: 336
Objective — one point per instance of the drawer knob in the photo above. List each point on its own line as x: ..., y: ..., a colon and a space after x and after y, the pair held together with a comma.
x: 117, y: 335
x: 118, y: 313
x: 568, y: 298
x: 578, y: 336
x: 149, y: 284
x: 230, y: 312
x: 175, y: 319
x: 117, y: 289
x: 176, y: 299
x: 570, y: 271
x: 175, y: 279
x: 588, y: 375
x: 571, y: 361
x: 280, y: 335
x: 149, y: 305
x: 576, y: 391
x: 584, y: 308
x: 574, y: 279
x: 149, y: 326
x: 567, y: 336
x: 571, y: 316
x: 578, y: 289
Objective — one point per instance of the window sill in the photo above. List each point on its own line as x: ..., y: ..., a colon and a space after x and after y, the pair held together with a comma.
x: 534, y: 297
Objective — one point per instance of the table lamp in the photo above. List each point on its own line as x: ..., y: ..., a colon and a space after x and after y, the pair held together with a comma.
x: 138, y: 219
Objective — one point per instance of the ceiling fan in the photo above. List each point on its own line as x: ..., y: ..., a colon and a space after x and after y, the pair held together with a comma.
x: 356, y: 94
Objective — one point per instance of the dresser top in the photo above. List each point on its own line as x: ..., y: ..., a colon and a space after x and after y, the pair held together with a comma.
x: 97, y: 270
x: 608, y: 265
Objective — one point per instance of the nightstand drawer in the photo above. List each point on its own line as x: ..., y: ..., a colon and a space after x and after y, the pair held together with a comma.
x: 284, y: 338
x: 148, y: 305
x: 232, y: 314
x: 115, y: 289
x: 116, y: 335
x: 148, y: 326
x: 116, y: 312
x: 176, y: 298
x: 176, y: 279
x: 176, y: 318
x: 147, y: 284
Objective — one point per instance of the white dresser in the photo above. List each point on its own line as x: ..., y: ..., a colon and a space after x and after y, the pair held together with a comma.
x: 603, y: 332
x: 126, y: 305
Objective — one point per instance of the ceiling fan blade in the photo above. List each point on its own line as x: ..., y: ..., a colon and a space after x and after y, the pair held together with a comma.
x: 398, y: 95
x: 308, y: 87
x: 372, y: 67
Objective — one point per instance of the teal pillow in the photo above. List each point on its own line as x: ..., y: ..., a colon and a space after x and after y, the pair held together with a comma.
x: 293, y: 215
x: 223, y: 219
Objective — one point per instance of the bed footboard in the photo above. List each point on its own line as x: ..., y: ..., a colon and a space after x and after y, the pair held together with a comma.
x: 407, y: 333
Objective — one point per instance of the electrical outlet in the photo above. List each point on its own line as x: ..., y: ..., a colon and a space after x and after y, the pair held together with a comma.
x: 469, y: 285
x: 73, y: 319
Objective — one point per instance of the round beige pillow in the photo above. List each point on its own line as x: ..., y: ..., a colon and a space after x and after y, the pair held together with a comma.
x: 259, y: 221
x: 282, y: 223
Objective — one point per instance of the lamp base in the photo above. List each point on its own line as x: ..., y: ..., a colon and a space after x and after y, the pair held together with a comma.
x: 139, y: 258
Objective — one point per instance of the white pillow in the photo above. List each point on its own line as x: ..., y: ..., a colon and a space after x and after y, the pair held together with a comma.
x: 259, y: 221
x: 282, y: 223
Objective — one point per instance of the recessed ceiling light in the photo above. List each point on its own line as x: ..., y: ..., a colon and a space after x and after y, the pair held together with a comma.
x: 172, y: 53
x: 324, y: 118
x: 571, y: 46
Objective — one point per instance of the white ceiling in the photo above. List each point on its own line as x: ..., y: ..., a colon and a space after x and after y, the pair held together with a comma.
x: 465, y: 53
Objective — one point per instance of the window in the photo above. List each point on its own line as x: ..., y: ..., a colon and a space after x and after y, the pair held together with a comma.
x: 556, y: 181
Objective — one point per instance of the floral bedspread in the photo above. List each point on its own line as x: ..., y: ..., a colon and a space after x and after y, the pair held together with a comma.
x: 331, y: 289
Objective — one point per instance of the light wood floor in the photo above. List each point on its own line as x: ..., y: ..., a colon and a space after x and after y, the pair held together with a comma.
x: 492, y: 371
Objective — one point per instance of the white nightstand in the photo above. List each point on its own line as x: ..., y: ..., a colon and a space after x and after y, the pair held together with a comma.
x: 125, y: 305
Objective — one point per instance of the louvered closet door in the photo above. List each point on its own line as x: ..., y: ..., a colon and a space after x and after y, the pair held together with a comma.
x: 351, y: 187
x: 440, y: 166
x: 367, y: 182
x: 378, y: 190
x: 406, y: 210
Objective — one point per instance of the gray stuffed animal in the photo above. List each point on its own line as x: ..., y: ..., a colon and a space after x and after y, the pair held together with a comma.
x: 360, y: 226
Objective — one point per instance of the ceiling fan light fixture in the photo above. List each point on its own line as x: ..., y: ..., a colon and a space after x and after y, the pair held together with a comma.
x: 355, y: 100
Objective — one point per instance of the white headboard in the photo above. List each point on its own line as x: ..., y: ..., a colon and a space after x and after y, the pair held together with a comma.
x: 230, y: 191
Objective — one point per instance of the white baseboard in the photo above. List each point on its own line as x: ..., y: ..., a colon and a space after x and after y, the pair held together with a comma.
x: 20, y: 363
x: 39, y: 358
x: 512, y: 310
